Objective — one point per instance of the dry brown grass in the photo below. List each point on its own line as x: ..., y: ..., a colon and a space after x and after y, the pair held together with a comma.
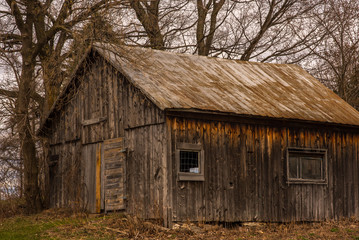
x: 67, y: 224
x: 119, y: 226
x: 11, y: 207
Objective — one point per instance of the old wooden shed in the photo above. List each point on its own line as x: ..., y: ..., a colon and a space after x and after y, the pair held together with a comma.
x: 181, y: 137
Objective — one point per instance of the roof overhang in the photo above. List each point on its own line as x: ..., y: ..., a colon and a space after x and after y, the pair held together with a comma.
x: 253, y: 119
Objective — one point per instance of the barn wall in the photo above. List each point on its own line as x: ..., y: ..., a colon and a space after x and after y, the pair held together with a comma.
x: 245, y: 173
x: 146, y: 172
x: 65, y: 176
x: 107, y: 106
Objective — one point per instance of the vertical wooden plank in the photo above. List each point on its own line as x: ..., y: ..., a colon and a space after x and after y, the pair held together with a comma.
x: 180, y: 185
x: 259, y: 173
x: 98, y: 178
x: 208, y: 187
x: 321, y: 136
x: 332, y: 159
x: 130, y: 173
x: 250, y: 178
x: 277, y: 174
x: 309, y: 187
x: 339, y: 175
x: 101, y: 84
x: 326, y: 204
x: 243, y: 172
x: 283, y: 144
x: 228, y: 173
x: 113, y: 104
x: 89, y: 159
x: 102, y: 177
x: 270, y: 175
x: 289, y: 204
x: 202, y: 193
x: 82, y: 108
x: 152, y: 160
x: 348, y: 175
x: 173, y: 166
x: 221, y: 162
x: 166, y: 164
x: 317, y: 197
x: 355, y: 158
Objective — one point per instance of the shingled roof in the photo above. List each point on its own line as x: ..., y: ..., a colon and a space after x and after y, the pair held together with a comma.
x: 183, y: 81
x: 190, y: 82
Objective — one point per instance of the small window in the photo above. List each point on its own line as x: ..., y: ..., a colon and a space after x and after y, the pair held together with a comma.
x: 306, y: 165
x: 189, y: 158
x: 189, y: 161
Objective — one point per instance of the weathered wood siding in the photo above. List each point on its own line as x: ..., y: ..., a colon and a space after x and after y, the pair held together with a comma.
x: 107, y: 106
x: 113, y: 174
x: 65, y: 175
x: 245, y: 173
x: 146, y: 171
x: 245, y: 163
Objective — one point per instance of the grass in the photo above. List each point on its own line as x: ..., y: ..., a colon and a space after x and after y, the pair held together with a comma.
x: 61, y: 224
x: 33, y: 227
x: 23, y: 228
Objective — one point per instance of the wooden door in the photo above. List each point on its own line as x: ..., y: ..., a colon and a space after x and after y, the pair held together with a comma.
x: 90, y: 158
x: 113, y: 174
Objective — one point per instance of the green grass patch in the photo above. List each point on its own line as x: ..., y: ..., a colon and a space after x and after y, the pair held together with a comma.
x: 23, y: 228
x: 29, y: 227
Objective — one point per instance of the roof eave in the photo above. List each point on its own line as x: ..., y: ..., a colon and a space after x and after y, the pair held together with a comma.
x: 233, y: 117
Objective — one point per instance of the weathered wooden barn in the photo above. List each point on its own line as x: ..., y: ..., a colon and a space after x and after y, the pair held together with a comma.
x: 181, y: 137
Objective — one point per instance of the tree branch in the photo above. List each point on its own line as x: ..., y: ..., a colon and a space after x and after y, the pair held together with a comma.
x: 14, y: 94
x: 17, y: 14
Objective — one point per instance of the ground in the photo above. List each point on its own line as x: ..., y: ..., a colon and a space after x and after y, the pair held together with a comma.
x: 65, y: 224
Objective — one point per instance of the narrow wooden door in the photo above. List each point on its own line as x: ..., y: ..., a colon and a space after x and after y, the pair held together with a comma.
x: 90, y: 158
x: 113, y: 174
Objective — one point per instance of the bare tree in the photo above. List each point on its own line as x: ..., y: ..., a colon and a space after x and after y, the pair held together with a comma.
x: 37, y: 31
x: 157, y: 24
x: 147, y: 13
x: 251, y: 29
x: 337, y: 56
x: 10, y: 163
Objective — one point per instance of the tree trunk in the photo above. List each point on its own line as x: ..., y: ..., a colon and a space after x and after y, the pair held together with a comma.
x: 28, y: 149
x: 148, y: 16
x: 27, y: 143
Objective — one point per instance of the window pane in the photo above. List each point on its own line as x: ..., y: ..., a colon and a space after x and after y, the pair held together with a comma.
x: 293, y: 167
x: 311, y: 168
x: 189, y: 162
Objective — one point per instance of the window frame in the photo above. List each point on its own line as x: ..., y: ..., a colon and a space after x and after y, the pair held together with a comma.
x: 308, y: 152
x: 188, y: 176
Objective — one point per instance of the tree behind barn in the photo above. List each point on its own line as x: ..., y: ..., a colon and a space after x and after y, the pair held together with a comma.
x: 336, y: 58
x: 36, y: 33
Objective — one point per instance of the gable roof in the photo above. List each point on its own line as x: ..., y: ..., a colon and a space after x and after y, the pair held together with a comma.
x: 182, y: 81
x: 190, y: 82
